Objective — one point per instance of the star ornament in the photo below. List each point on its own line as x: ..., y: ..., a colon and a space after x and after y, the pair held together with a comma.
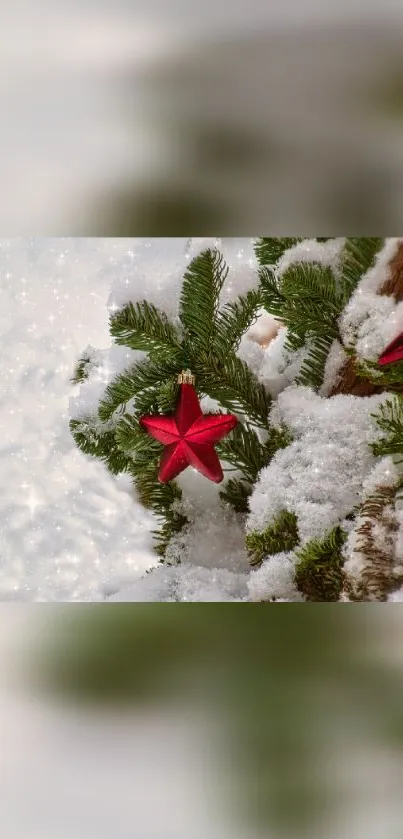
x: 189, y: 437
x: 393, y: 352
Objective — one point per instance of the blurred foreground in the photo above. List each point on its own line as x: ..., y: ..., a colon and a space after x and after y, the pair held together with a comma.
x: 151, y: 120
x: 201, y: 721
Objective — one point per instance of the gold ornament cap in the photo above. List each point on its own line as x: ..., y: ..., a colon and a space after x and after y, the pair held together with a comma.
x: 186, y: 377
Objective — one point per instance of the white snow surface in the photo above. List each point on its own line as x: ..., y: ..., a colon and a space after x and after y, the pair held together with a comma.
x: 310, y: 250
x: 370, y: 320
x: 319, y: 476
x: 275, y: 580
x: 69, y: 531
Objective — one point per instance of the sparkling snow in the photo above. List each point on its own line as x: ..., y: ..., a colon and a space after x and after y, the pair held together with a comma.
x: 68, y: 529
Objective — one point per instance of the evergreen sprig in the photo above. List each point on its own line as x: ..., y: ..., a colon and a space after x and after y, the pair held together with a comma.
x: 269, y: 250
x: 280, y: 535
x: 141, y: 326
x: 390, y: 420
x: 309, y: 299
x: 206, y: 341
x: 358, y: 257
x: 319, y: 571
x: 102, y: 445
x: 233, y: 384
x: 233, y: 320
x: 199, y: 303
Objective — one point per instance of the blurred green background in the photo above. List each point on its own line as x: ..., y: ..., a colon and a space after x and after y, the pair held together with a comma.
x: 293, y: 696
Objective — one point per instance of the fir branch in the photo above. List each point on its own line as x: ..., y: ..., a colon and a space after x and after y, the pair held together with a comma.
x: 319, y: 572
x: 390, y: 377
x: 358, y: 257
x: 162, y: 499
x: 141, y: 326
x: 103, y: 446
x: 202, y: 285
x: 313, y: 367
x: 269, y: 250
x: 243, y: 450
x: 280, y: 535
x: 233, y: 320
x: 279, y: 438
x: 232, y: 383
x: 81, y: 372
x: 145, y: 376
x: 153, y: 494
x: 308, y: 283
x: 272, y: 298
x: 133, y: 440
x: 390, y: 420
x: 237, y: 493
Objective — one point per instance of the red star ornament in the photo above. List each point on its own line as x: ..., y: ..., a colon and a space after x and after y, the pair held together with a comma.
x: 393, y: 352
x: 189, y: 436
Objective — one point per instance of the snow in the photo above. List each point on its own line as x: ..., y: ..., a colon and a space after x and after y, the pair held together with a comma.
x: 72, y: 532
x: 334, y: 364
x: 275, y: 579
x: 370, y: 320
x: 69, y: 531
x: 186, y: 583
x: 319, y: 476
x: 157, y: 268
x: 309, y: 250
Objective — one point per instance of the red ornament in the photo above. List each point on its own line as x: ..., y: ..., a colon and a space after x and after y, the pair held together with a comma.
x: 189, y: 436
x: 393, y: 352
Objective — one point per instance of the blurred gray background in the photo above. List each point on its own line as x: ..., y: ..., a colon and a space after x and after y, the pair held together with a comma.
x: 149, y: 118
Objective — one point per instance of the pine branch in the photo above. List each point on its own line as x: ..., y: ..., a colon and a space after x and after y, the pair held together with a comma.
x: 236, y: 493
x: 134, y: 441
x: 233, y: 320
x: 389, y: 377
x: 279, y: 438
x: 313, y: 367
x: 390, y: 420
x: 145, y: 376
x: 272, y: 298
x: 141, y: 326
x: 103, y: 446
x: 154, y: 495
x: 307, y: 284
x: 243, y: 450
x: 82, y: 369
x: 319, y: 572
x: 234, y: 385
x: 269, y: 250
x: 202, y: 285
x: 358, y: 257
x: 280, y: 535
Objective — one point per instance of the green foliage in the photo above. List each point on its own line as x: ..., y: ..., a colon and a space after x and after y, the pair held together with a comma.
x: 358, y: 257
x: 143, y: 380
x: 237, y: 494
x: 202, y: 285
x: 206, y: 342
x: 244, y: 451
x: 232, y: 383
x: 233, y: 320
x: 81, y: 372
x: 141, y: 326
x: 104, y: 446
x: 390, y: 420
x: 389, y: 377
x: 309, y: 298
x: 280, y: 535
x: 319, y: 571
x: 270, y: 250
